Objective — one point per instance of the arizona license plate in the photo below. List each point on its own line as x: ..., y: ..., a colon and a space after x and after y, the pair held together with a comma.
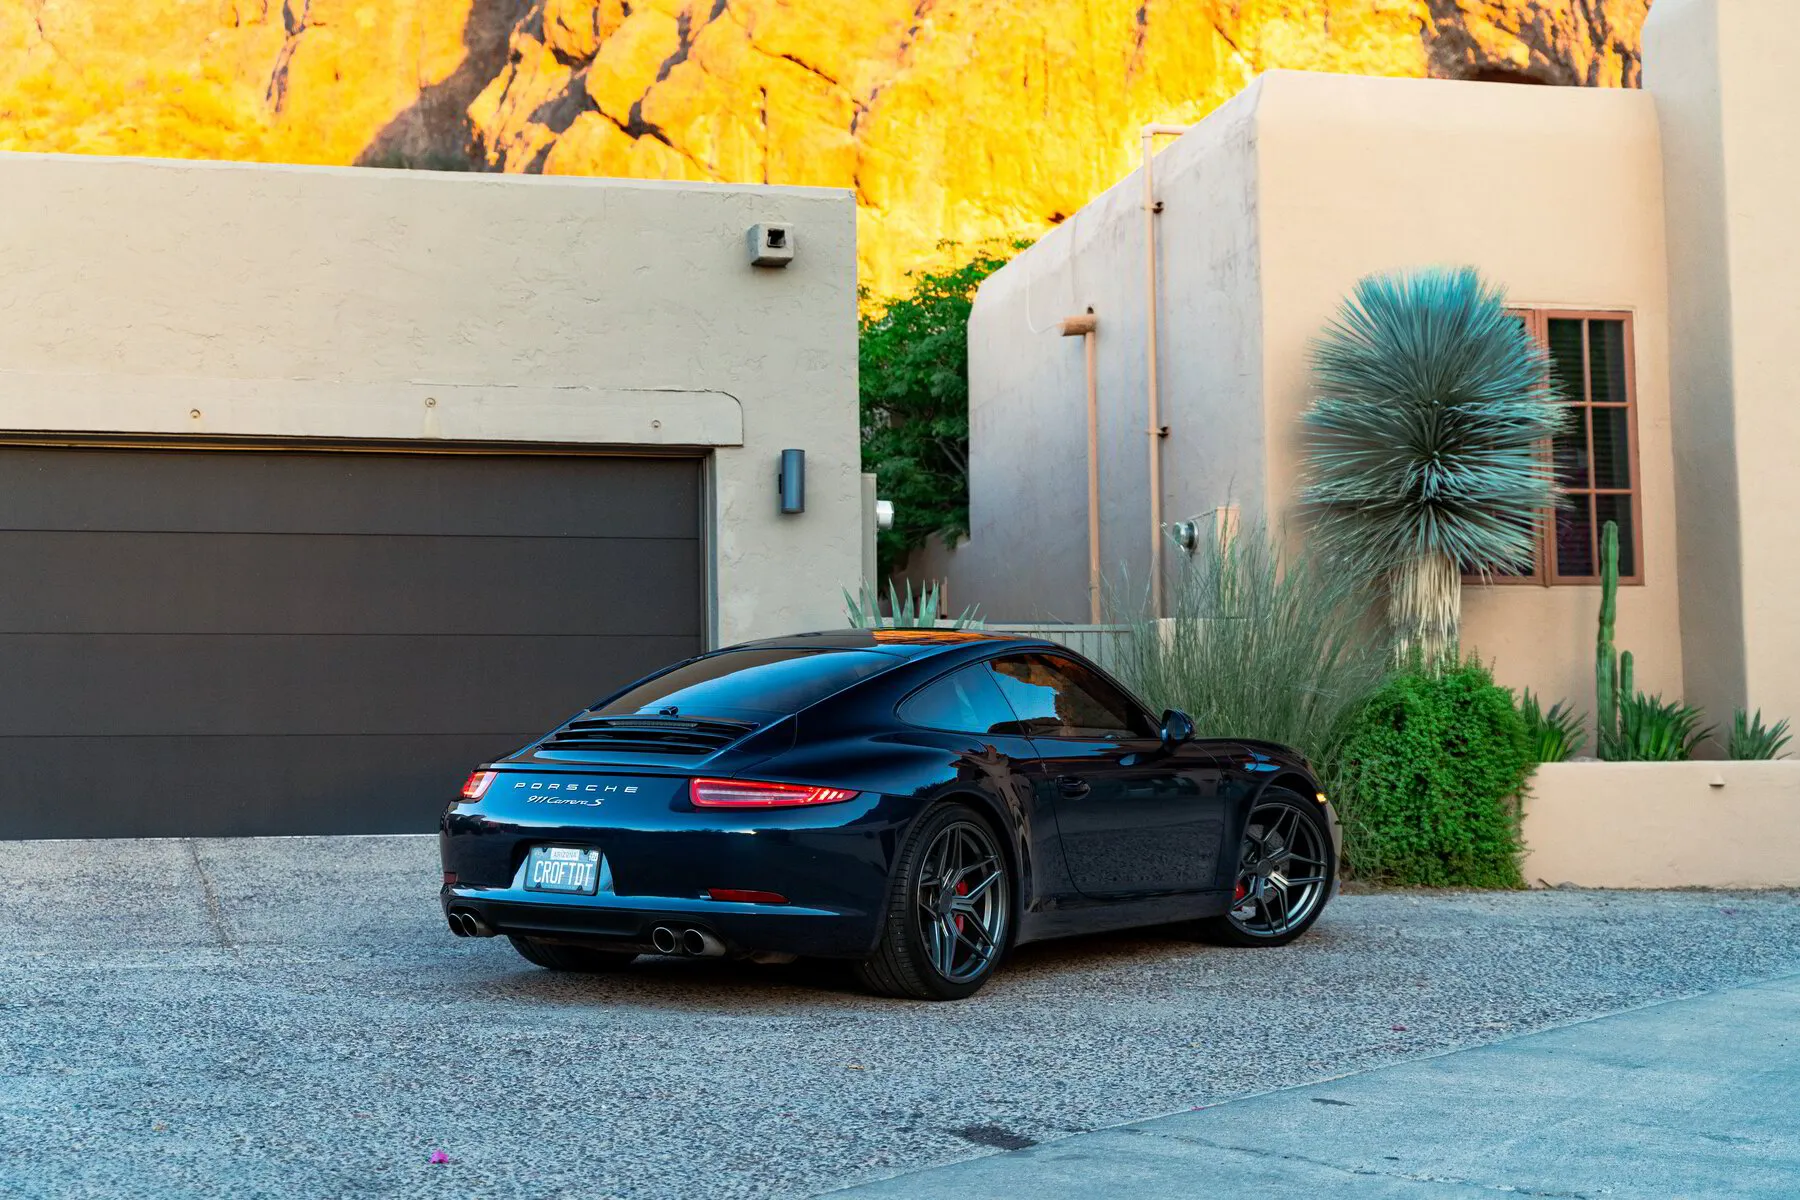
x: 566, y: 869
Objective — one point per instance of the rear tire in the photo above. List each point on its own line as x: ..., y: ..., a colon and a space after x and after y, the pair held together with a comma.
x: 949, y: 911
x: 1286, y: 873
x: 554, y: 956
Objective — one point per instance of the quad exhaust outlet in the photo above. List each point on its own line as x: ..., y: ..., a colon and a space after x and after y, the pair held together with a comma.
x: 464, y: 923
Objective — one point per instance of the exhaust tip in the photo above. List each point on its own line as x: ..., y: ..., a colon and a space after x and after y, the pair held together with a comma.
x: 456, y: 924
x: 665, y: 941
x: 693, y: 942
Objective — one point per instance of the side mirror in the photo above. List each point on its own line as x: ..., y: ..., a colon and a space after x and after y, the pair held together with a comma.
x: 1177, y: 728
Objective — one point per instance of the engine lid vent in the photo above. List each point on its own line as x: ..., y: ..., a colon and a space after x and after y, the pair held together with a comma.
x: 647, y: 735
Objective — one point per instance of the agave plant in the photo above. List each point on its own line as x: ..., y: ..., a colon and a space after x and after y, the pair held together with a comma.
x: 1652, y: 729
x: 1555, y: 735
x: 1750, y: 738
x: 1425, y: 445
x: 864, y: 609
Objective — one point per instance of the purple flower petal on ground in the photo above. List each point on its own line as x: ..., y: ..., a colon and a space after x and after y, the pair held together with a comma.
x: 438, y: 1156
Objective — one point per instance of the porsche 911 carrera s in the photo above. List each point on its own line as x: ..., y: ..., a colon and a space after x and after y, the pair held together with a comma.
x: 914, y: 801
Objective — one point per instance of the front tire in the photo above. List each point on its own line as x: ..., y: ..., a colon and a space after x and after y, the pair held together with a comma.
x: 554, y: 956
x: 1285, y: 874
x: 949, y: 911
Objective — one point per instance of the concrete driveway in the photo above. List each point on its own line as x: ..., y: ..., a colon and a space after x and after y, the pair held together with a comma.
x: 288, y: 1017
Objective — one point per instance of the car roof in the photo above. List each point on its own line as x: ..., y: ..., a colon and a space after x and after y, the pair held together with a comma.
x: 907, y: 643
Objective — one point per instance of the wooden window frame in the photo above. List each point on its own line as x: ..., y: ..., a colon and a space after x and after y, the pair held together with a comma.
x: 1544, y: 572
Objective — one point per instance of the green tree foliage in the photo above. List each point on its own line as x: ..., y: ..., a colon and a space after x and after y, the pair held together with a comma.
x: 914, y: 359
x: 1432, y: 770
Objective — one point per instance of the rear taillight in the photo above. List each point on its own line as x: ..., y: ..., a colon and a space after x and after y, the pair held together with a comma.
x: 734, y: 793
x: 477, y: 785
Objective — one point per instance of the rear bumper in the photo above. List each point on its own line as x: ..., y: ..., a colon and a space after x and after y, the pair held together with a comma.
x: 832, y: 864
x: 625, y: 922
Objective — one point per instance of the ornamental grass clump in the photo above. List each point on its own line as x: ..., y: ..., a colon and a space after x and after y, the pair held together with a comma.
x: 1424, y: 449
x: 1256, y: 646
x: 1556, y: 733
x: 1433, y: 767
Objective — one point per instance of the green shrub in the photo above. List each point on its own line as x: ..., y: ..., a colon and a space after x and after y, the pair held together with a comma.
x: 1555, y: 735
x: 1432, y: 768
x: 1750, y: 738
x: 1256, y: 646
x: 1652, y: 729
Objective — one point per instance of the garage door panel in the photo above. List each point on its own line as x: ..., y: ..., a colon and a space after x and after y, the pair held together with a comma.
x: 376, y: 583
x: 227, y: 787
x: 249, y: 642
x: 225, y: 686
x: 298, y: 492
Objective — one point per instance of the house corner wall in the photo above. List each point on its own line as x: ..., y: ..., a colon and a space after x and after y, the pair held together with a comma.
x: 1723, y: 93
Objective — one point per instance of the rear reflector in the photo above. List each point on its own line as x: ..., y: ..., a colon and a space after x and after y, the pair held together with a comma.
x: 735, y: 793
x: 477, y: 785
x: 743, y: 896
x: 449, y: 878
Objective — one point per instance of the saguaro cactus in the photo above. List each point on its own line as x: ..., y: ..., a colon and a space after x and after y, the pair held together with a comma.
x: 1612, y: 674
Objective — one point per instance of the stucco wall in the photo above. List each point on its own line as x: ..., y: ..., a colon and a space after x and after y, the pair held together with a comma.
x: 1556, y: 193
x: 1723, y: 89
x: 1026, y: 558
x: 1664, y: 825
x: 212, y: 299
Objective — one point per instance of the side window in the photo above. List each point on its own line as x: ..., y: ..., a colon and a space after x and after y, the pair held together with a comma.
x: 965, y: 701
x: 1058, y: 697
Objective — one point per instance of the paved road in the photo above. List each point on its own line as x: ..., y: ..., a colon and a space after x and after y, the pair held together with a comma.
x: 1696, y: 1097
x: 287, y: 1017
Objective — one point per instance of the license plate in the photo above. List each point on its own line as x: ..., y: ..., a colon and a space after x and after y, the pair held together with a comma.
x: 566, y: 869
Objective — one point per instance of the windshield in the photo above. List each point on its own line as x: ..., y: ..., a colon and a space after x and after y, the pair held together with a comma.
x: 772, y: 681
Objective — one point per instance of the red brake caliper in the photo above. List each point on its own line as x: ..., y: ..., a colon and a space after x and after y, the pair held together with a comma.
x: 1243, y: 889
x: 962, y: 889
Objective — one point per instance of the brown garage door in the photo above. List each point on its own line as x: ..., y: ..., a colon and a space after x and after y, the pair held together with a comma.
x: 254, y: 642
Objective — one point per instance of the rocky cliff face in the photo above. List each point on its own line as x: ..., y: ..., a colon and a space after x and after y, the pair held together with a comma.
x: 952, y: 119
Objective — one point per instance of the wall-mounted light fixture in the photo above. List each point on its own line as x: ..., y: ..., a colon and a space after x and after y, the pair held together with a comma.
x: 790, y: 481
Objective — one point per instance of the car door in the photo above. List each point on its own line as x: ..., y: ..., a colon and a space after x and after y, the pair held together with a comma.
x: 1134, y: 818
x: 964, y: 712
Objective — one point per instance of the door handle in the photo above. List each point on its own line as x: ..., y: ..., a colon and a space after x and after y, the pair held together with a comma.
x: 1072, y: 787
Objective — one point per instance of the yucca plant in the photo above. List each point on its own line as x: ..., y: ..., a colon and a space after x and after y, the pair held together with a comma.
x: 864, y: 609
x: 1556, y: 734
x: 1750, y: 738
x: 1652, y: 729
x: 1425, y: 445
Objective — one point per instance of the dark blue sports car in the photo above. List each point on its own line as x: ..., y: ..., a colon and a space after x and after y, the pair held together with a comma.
x: 915, y: 801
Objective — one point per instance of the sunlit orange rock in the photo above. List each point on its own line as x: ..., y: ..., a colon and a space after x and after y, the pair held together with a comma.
x: 952, y: 119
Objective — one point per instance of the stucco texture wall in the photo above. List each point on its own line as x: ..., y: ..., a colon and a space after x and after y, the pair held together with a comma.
x: 1555, y: 193
x: 1273, y: 208
x: 1026, y: 557
x: 207, y: 299
x: 1724, y: 92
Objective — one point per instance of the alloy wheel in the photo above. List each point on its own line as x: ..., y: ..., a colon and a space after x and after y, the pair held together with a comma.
x: 1284, y: 875
x: 961, y: 902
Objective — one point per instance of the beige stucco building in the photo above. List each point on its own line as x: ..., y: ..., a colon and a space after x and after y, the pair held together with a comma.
x: 1641, y: 234
x: 319, y: 486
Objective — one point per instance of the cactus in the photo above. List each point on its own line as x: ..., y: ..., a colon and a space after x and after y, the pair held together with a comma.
x: 1612, y: 675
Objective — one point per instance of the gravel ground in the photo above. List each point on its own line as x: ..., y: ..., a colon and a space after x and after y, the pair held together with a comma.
x: 288, y: 1017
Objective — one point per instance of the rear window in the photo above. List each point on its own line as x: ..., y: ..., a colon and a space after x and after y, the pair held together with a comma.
x: 772, y: 681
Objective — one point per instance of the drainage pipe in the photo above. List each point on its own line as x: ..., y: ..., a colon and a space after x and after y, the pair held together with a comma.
x: 1084, y: 326
x: 1149, y: 134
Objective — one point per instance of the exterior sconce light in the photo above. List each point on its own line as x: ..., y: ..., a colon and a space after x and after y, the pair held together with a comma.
x: 884, y: 514
x: 790, y: 481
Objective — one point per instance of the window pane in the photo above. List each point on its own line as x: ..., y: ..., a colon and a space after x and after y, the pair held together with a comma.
x: 1612, y: 448
x: 1058, y: 698
x: 1618, y: 508
x: 966, y: 701
x: 1575, y: 536
x: 765, y: 681
x: 1565, y: 358
x: 1571, y: 452
x: 1606, y: 359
